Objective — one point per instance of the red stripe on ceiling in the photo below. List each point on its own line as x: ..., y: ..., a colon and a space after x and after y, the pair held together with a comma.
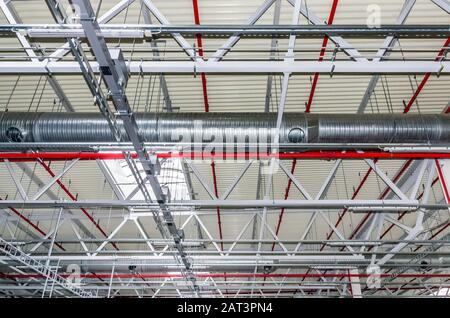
x: 200, y: 53
x: 321, y: 56
x: 219, y: 222
x: 206, y: 104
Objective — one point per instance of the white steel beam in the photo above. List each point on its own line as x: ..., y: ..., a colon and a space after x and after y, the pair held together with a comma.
x: 105, y: 18
x: 443, y: 4
x: 182, y: 42
x: 236, y: 180
x: 201, y: 179
x: 384, y: 52
x: 355, y: 283
x: 240, y: 67
x: 273, y: 46
x: 113, y: 233
x: 114, y: 11
x: 385, y: 179
x: 381, y: 205
x: 444, y: 177
x: 339, y: 41
x: 16, y: 181
x: 55, y: 179
x: 220, y: 53
x: 36, y: 180
x: 8, y: 11
x: 418, y: 226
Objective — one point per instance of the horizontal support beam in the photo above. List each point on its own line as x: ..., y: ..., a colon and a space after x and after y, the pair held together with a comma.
x: 168, y: 147
x: 150, y: 30
x: 307, y: 155
x: 233, y: 275
x: 239, y: 67
x: 357, y: 205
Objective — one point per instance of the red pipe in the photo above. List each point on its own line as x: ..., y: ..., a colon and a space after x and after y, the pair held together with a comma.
x: 321, y: 56
x: 73, y: 198
x: 200, y: 53
x: 205, y: 92
x: 219, y: 222
x: 206, y: 103
x: 307, y: 155
x: 425, y: 79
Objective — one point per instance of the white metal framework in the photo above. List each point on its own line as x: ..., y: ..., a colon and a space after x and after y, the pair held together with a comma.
x: 135, y: 219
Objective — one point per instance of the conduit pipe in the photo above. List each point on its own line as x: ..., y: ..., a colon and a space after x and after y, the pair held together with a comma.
x: 206, y: 128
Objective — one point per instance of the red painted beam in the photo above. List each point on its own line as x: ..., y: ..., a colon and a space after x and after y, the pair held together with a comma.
x: 206, y: 103
x: 34, y: 226
x: 321, y: 56
x: 308, y: 106
x: 200, y: 53
x: 219, y: 222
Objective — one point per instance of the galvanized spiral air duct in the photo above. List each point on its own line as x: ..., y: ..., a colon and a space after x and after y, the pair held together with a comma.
x: 230, y: 128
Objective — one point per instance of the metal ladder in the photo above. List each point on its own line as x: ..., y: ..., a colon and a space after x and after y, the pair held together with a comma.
x: 52, y: 275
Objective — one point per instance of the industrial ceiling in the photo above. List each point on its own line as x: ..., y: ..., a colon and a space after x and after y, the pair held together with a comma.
x: 130, y: 217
